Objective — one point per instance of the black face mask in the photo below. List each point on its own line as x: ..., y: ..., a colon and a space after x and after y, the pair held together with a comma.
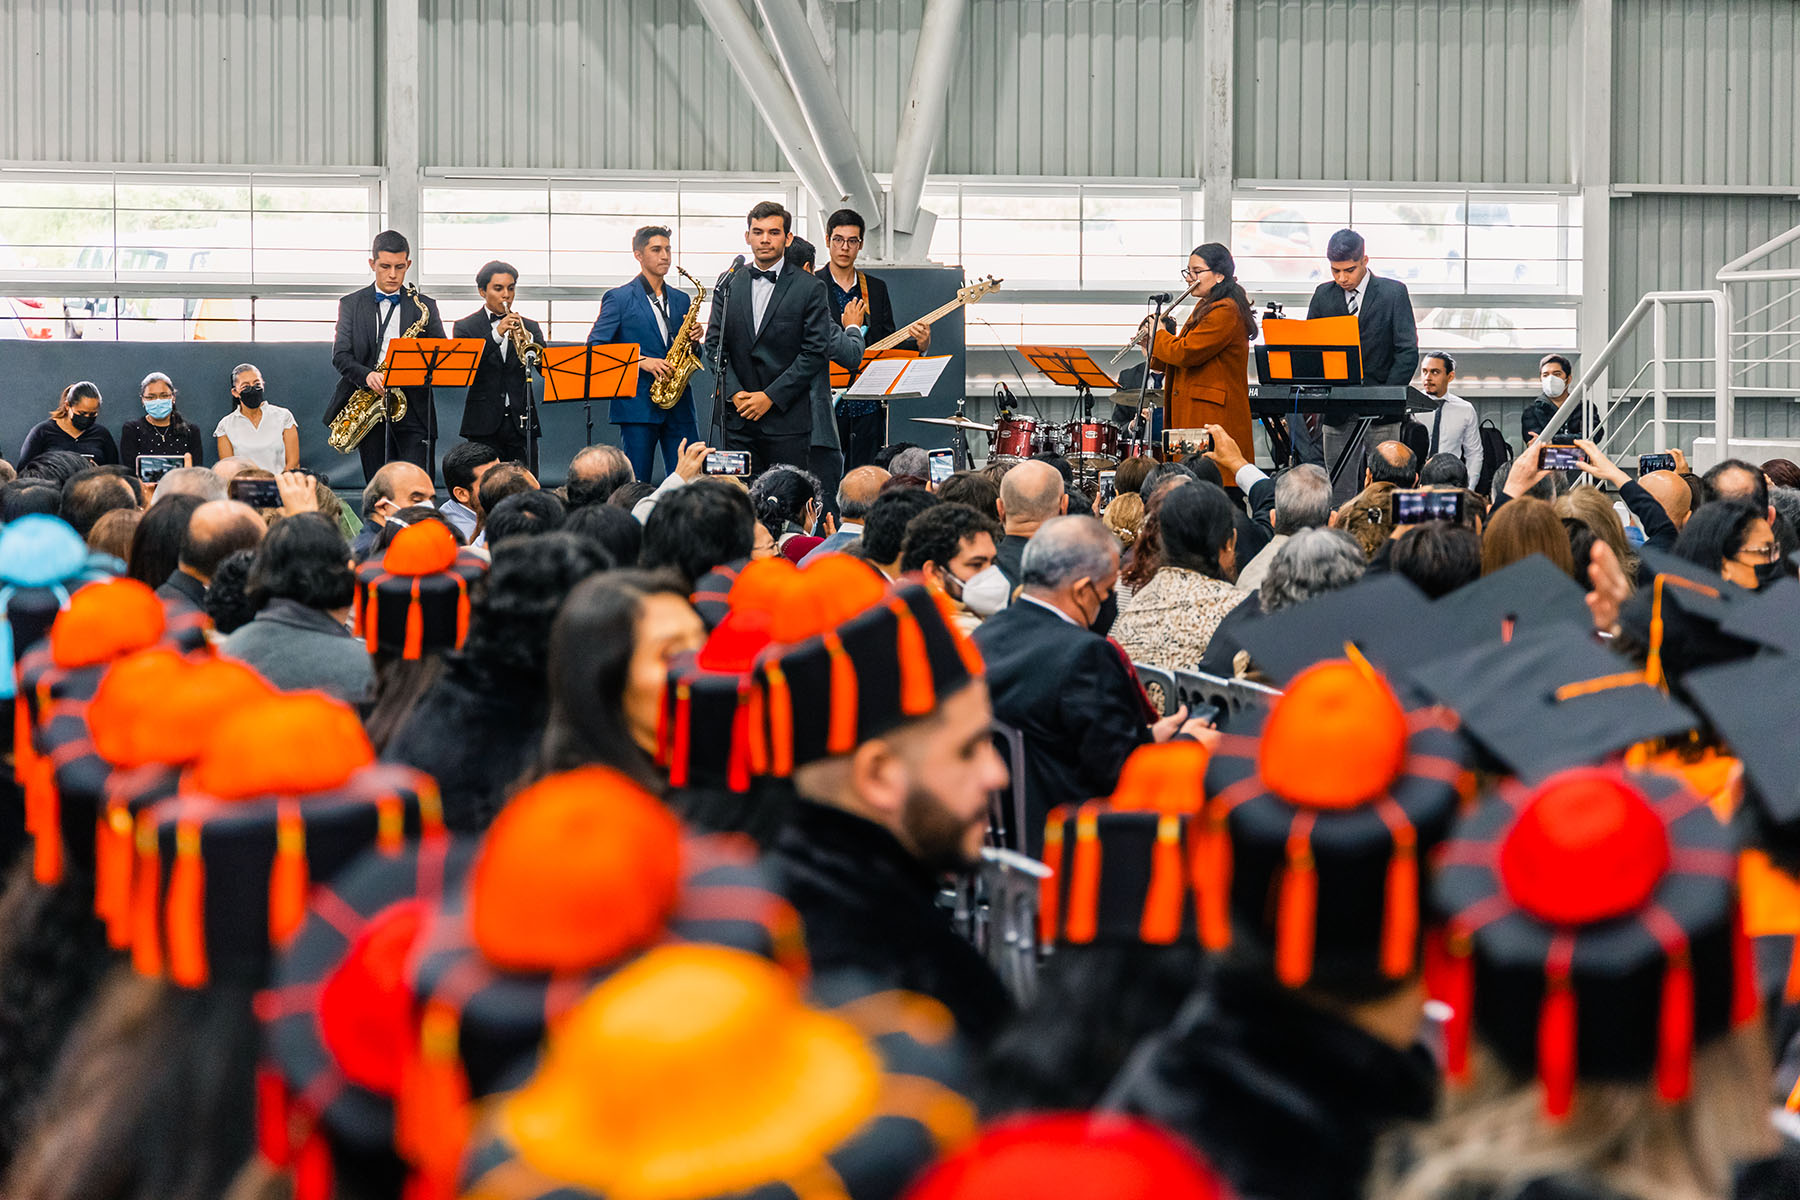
x: 1769, y: 574
x: 252, y: 396
x: 83, y: 421
x: 1109, y: 612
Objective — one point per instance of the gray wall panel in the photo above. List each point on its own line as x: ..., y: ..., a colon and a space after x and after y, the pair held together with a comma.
x: 1707, y: 93
x: 277, y: 82
x: 1406, y: 91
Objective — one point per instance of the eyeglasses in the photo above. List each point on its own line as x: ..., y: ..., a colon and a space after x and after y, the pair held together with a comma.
x: 1189, y: 274
x: 1759, y: 554
x: 846, y: 243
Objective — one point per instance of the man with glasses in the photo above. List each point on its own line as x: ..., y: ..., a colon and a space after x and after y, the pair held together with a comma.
x: 860, y: 300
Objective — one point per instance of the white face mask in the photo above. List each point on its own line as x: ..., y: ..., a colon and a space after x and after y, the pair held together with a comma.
x: 985, y: 592
x: 1553, y: 385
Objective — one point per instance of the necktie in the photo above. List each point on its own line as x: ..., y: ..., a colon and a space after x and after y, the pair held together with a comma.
x: 1351, y: 300
x: 768, y: 275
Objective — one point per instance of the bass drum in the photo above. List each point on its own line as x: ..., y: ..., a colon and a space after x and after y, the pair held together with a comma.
x: 1014, y: 440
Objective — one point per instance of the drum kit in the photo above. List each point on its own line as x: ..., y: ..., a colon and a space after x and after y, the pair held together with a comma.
x: 1089, y: 446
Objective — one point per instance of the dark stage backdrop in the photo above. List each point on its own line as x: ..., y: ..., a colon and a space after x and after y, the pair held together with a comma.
x: 300, y: 378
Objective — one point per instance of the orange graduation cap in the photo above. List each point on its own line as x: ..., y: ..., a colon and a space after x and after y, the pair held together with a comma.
x: 415, y: 600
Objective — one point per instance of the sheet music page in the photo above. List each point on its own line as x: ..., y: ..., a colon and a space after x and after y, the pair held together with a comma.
x: 899, y: 377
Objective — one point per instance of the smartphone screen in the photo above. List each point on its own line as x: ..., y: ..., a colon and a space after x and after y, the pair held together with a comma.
x: 728, y: 462
x: 1648, y: 463
x: 943, y: 465
x: 152, y: 467
x: 1179, y: 444
x: 257, y: 493
x: 1109, y: 488
x: 1414, y: 506
x: 1562, y: 458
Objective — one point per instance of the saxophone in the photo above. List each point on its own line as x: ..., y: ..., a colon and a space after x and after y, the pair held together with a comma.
x: 682, y: 359
x: 362, y: 411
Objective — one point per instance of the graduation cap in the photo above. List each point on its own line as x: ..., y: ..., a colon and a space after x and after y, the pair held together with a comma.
x: 1678, y: 619
x: 1550, y: 699
x: 1531, y: 594
x: 1385, y: 617
x: 1752, y: 706
x: 414, y: 600
x: 1770, y: 616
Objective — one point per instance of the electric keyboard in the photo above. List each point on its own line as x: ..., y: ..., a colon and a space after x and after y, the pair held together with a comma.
x: 1336, y: 399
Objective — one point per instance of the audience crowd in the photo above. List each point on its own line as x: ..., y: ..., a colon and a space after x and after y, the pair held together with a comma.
x: 975, y: 840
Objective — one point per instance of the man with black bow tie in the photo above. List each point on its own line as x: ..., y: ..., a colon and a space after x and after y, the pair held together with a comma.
x: 499, y: 402
x: 776, y: 334
x: 368, y: 319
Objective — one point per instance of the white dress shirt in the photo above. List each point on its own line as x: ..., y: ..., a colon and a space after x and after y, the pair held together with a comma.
x: 659, y: 308
x: 761, y: 292
x: 1458, y: 433
x: 387, y: 322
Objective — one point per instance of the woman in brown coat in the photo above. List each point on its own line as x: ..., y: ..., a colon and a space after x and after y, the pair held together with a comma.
x: 1207, y: 364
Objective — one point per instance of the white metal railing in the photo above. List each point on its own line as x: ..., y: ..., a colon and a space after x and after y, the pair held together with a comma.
x: 1755, y: 349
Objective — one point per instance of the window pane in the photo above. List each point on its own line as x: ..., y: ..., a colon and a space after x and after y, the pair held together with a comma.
x: 654, y: 207
x: 311, y: 199
x: 484, y: 200
x: 1496, y: 328
x: 183, y: 197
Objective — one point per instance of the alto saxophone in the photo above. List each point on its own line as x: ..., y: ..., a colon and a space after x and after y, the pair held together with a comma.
x: 362, y: 412
x: 682, y: 358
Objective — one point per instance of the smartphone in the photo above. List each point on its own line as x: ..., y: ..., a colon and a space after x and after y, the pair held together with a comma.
x: 1179, y: 444
x: 728, y: 462
x: 152, y: 467
x: 1208, y: 713
x: 92, y: 461
x: 1414, y: 506
x: 1655, y: 462
x: 257, y: 493
x: 1561, y: 458
x: 1109, y: 489
x: 943, y: 465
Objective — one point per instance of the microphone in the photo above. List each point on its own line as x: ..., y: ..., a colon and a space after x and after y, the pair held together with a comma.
x: 728, y: 272
x: 1161, y: 298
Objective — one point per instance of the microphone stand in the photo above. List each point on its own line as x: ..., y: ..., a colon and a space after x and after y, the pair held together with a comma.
x: 722, y: 293
x: 1138, y: 418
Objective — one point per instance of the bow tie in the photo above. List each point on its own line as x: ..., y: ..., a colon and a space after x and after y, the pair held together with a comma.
x: 494, y: 316
x: 384, y: 298
x: 771, y: 276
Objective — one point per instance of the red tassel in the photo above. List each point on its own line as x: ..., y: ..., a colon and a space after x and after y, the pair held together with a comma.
x: 288, y: 880
x: 414, y: 646
x: 433, y: 1119
x: 781, y: 723
x: 684, y: 732
x: 112, y: 873
x: 917, y: 694
x: 272, y: 1140
x: 185, y: 914
x: 1162, y: 902
x: 737, y: 766
x: 1450, y: 980
x: 1675, y: 1027
x: 1557, y: 1030
x: 313, y: 1172
x: 1084, y: 878
x: 1050, y: 887
x: 356, y: 612
x: 372, y: 626
x: 462, y: 611
x: 1400, y: 912
x: 146, y: 884
x: 1745, y: 998
x: 1212, y: 878
x: 1297, y: 910
x: 47, y: 856
x: 841, y: 735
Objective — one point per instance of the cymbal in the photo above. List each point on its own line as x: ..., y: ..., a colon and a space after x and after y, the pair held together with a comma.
x: 954, y: 423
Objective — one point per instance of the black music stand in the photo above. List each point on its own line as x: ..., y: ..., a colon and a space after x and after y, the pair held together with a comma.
x: 584, y: 374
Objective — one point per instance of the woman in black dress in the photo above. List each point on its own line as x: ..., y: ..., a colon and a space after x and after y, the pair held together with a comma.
x: 162, y: 429
x: 74, y: 425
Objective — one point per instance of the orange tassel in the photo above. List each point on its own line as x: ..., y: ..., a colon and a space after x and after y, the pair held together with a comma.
x: 357, y: 628
x: 1050, y: 887
x: 431, y: 807
x: 781, y: 722
x: 462, y: 611
x: 432, y: 1117
x: 1653, y: 674
x: 971, y: 654
x: 1084, y: 878
x: 288, y: 876
x: 1450, y: 980
x: 1297, y: 910
x: 1212, y: 878
x: 372, y: 626
x: 1745, y: 998
x: 1556, y: 1030
x: 756, y: 706
x: 390, y: 823
x: 1161, y: 924
x: 47, y: 847
x: 414, y: 646
x: 917, y: 695
x: 1675, y: 1027
x: 684, y: 716
x: 841, y: 735
x: 185, y: 909
x: 112, y: 873
x: 314, y: 1177
x: 146, y: 883
x: 1400, y: 914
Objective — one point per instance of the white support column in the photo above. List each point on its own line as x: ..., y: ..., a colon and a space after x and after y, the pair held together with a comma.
x: 770, y: 93
x: 1218, y: 151
x: 399, y: 116
x: 922, y: 113
x: 821, y: 106
x: 1593, y: 172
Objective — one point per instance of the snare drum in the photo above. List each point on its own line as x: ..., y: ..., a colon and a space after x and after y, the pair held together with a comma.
x: 1092, y: 443
x: 1014, y: 440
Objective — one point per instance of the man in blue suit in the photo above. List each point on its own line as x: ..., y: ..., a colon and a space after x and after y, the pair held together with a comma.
x: 648, y: 313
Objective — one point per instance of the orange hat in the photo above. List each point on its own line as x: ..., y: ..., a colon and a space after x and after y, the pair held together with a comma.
x: 699, y: 1071
x: 285, y: 792
x: 1329, y: 807
x: 1073, y: 1156
x: 414, y: 601
x: 105, y: 621
x: 703, y: 736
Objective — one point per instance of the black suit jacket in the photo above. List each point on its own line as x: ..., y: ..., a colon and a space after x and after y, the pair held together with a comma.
x: 1390, y: 336
x: 496, y: 377
x: 1068, y: 691
x: 356, y: 346
x: 782, y: 358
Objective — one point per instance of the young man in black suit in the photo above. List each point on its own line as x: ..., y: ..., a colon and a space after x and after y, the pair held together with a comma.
x: 862, y: 424
x: 1055, y: 677
x: 367, y: 320
x: 1390, y: 345
x: 776, y: 334
x: 499, y: 402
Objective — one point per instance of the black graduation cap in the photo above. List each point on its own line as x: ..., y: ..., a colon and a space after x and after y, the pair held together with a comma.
x: 1693, y: 604
x: 1551, y: 698
x: 1752, y: 705
x: 1386, y: 617
x: 1531, y: 594
x: 1769, y: 616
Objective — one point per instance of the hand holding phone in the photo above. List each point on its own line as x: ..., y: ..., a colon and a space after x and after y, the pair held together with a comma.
x: 1650, y: 463
x: 728, y: 462
x: 152, y: 467
x: 943, y: 465
x: 1554, y: 457
x: 1109, y: 487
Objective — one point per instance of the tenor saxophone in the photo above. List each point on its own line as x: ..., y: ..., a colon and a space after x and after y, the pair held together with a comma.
x: 682, y: 358
x: 362, y: 412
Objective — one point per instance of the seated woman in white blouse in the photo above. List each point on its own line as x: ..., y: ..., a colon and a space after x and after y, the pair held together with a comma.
x: 265, y: 434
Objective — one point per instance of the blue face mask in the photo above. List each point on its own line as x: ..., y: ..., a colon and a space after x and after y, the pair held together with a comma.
x: 160, y: 408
